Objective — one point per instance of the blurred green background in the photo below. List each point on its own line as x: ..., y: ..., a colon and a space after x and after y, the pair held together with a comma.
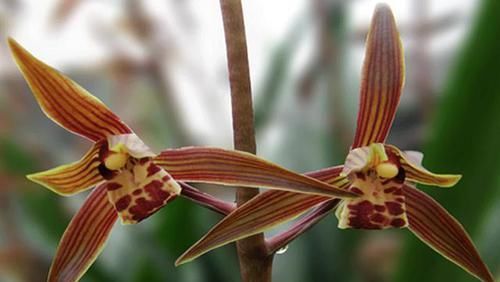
x: 161, y: 66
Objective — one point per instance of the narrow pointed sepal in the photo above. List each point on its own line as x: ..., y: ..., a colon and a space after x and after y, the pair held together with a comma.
x: 140, y: 189
x: 415, y: 172
x: 261, y: 213
x: 67, y: 180
x: 432, y: 224
x: 236, y: 168
x: 64, y: 101
x: 382, y: 79
x: 84, y: 238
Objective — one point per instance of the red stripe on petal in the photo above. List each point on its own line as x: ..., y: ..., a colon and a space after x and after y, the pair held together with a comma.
x: 84, y: 238
x: 64, y: 101
x: 265, y: 211
x: 72, y: 178
x: 431, y: 223
x: 83, y: 227
x: 235, y: 168
x: 262, y: 212
x: 382, y: 79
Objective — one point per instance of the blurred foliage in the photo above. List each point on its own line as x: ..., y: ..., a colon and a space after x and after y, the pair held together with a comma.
x: 466, y: 135
x: 276, y: 75
x: 16, y: 161
x: 13, y: 159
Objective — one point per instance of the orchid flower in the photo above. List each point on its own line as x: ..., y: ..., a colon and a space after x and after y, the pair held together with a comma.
x: 382, y: 175
x: 131, y: 183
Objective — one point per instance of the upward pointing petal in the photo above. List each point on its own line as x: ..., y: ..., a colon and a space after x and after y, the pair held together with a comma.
x: 64, y: 101
x: 382, y: 79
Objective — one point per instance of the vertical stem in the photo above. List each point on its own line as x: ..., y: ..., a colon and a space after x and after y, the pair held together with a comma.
x: 255, y: 263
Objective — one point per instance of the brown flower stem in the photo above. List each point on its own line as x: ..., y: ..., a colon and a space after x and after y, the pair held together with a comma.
x: 255, y: 263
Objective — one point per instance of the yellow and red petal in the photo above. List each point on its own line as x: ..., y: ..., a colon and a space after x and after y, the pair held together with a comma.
x: 84, y: 238
x: 329, y: 175
x: 382, y: 79
x: 141, y: 189
x: 262, y: 212
x: 417, y: 173
x: 72, y: 178
x: 66, y: 102
x: 432, y: 224
x: 236, y: 168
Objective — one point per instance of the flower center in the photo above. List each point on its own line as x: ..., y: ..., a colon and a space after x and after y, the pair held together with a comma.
x: 117, y: 157
x: 376, y: 175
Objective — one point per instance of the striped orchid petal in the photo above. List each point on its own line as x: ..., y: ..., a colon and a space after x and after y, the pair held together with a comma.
x: 382, y: 79
x: 328, y: 175
x: 410, y: 162
x: 84, y: 238
x: 236, y: 168
x: 261, y: 213
x: 432, y: 224
x: 64, y: 101
x: 72, y: 178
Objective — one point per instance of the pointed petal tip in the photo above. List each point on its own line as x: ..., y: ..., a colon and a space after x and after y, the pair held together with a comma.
x: 34, y: 177
x: 453, y: 180
x: 12, y: 42
x: 38, y: 179
x: 18, y: 52
x: 64, y: 101
x: 416, y: 173
x: 235, y: 168
x: 73, y: 178
x: 182, y: 260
